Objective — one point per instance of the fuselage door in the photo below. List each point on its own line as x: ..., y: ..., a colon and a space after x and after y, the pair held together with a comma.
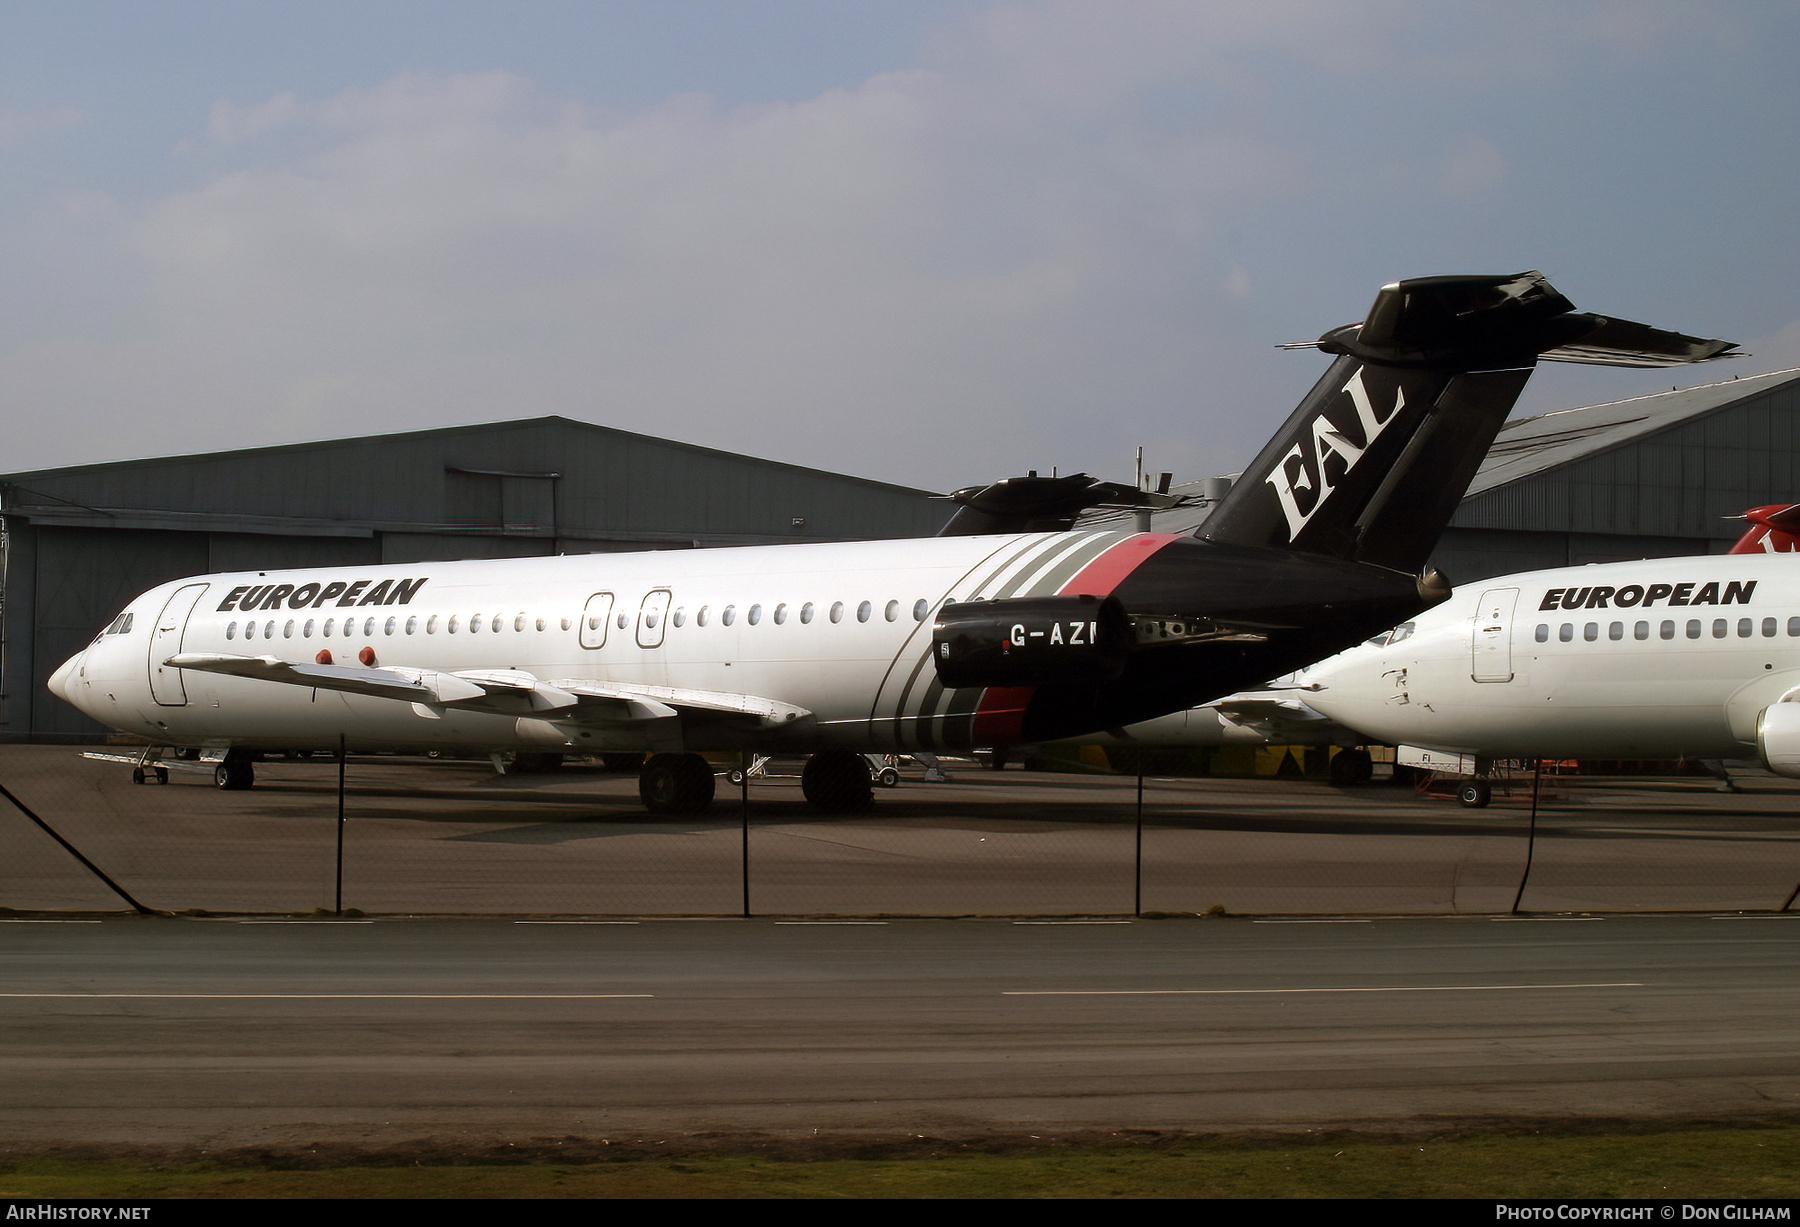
x: 1490, y: 646
x: 594, y: 619
x: 651, y: 616
x: 165, y: 641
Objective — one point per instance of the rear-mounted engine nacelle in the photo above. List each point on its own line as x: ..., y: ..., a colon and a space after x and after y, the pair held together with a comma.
x: 1031, y: 641
x: 1778, y: 738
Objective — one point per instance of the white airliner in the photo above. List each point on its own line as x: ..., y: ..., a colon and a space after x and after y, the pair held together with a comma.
x: 1666, y: 658
x: 946, y: 642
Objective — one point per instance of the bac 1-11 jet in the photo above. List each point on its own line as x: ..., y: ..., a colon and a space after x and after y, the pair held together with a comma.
x: 948, y: 642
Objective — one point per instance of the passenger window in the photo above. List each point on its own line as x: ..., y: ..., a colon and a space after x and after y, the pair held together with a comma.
x: 729, y: 616
x: 1794, y: 626
x: 369, y: 626
x: 499, y: 623
x: 1566, y: 632
x: 1667, y: 630
x: 1543, y: 632
x: 755, y: 614
x: 287, y: 632
x: 680, y: 616
x: 269, y: 629
x: 474, y: 623
x: 1591, y: 632
x: 624, y: 620
x: 519, y: 623
x: 781, y: 614
x: 231, y: 631
x: 865, y: 610
x: 806, y: 614
x: 412, y: 625
x: 837, y: 611
x: 307, y: 630
x: 1768, y: 628
x: 1746, y: 628
x: 452, y: 627
x: 1641, y: 631
x: 700, y: 618
x: 1693, y: 628
x: 431, y: 625
x: 1616, y: 631
x: 391, y: 625
x: 1719, y: 627
x: 919, y: 608
x: 330, y: 625
x: 892, y: 611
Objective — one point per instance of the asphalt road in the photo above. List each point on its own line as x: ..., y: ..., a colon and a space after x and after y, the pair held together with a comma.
x: 227, y: 1033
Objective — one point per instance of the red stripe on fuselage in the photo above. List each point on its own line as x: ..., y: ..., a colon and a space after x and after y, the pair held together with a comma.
x: 1000, y: 715
x: 1108, y: 571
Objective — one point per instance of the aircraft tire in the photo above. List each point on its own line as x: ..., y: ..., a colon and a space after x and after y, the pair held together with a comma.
x: 888, y: 777
x: 235, y: 773
x: 1475, y: 794
x: 837, y: 782
x: 676, y: 784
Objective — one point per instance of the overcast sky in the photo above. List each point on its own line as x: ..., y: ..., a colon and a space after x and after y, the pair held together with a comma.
x: 932, y: 243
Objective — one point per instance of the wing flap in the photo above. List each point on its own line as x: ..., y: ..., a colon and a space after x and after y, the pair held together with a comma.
x: 507, y: 692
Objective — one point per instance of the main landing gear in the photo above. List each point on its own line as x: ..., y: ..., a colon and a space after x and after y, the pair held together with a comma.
x: 837, y: 782
x: 676, y: 784
x: 834, y: 781
x: 235, y: 771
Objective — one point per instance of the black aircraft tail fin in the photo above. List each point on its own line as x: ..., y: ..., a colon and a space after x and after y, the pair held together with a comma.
x: 1373, y: 462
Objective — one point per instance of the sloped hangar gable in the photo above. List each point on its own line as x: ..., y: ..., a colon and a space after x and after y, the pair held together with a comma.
x: 1676, y: 465
x: 546, y: 477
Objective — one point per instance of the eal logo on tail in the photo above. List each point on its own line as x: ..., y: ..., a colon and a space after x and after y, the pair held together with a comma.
x: 1304, y: 470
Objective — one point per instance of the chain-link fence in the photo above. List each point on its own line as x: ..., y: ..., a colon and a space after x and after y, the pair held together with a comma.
x: 456, y: 837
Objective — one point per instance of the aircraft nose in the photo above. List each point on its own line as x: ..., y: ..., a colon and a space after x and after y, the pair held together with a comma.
x: 65, y: 672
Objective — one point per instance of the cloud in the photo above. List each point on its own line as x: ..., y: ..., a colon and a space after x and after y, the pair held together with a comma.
x: 1036, y: 246
x: 18, y: 126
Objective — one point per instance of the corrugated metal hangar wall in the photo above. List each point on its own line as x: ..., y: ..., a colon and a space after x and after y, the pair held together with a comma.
x: 80, y: 542
x: 1653, y: 477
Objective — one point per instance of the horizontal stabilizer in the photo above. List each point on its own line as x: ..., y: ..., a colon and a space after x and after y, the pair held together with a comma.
x: 1034, y: 504
x: 1624, y: 343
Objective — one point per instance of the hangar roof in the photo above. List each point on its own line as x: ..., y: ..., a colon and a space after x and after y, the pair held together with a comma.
x: 1529, y: 446
x: 548, y: 477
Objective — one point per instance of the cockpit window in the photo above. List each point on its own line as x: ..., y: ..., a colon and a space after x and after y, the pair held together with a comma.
x: 1403, y: 631
x: 121, y: 625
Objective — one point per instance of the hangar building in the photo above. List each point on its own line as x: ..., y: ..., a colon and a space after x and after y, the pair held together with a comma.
x: 80, y: 542
x: 1653, y: 477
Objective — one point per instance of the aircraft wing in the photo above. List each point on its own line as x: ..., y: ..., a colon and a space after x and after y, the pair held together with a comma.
x: 506, y: 692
